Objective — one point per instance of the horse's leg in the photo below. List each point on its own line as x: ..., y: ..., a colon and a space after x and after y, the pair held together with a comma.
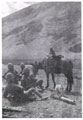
x: 67, y: 86
x: 47, y: 75
x: 71, y: 82
x: 53, y: 79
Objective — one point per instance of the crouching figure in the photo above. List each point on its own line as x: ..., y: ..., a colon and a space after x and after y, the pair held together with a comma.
x: 18, y: 93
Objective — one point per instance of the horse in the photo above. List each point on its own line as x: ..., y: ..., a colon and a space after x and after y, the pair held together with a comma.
x: 57, y: 66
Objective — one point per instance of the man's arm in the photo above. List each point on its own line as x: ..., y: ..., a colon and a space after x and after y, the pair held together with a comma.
x: 5, y: 92
x: 4, y: 76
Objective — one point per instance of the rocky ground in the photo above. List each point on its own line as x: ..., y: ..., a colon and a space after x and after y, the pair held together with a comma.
x: 50, y: 108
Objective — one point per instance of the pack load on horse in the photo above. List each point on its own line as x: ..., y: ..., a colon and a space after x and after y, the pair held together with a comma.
x: 54, y: 60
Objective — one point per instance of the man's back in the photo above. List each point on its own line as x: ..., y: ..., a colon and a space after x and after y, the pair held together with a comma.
x: 13, y: 89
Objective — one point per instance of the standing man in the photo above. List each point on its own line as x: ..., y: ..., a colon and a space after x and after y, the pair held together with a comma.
x: 22, y: 66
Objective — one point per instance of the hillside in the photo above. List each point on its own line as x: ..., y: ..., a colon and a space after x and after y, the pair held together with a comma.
x: 30, y: 32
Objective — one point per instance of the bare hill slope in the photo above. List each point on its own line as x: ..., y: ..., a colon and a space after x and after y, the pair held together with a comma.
x: 30, y: 32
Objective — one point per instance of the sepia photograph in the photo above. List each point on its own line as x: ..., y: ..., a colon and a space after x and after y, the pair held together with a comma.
x: 41, y: 59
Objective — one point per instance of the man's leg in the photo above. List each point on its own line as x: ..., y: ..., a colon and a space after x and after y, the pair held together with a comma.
x: 40, y: 84
x: 29, y: 92
x: 32, y: 90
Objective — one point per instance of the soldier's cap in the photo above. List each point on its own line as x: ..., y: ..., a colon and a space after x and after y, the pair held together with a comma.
x: 26, y: 70
x: 10, y: 65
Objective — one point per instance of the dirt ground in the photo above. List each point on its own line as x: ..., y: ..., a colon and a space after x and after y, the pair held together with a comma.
x: 50, y: 108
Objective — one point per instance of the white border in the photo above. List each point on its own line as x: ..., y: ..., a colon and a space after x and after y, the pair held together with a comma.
x: 1, y: 50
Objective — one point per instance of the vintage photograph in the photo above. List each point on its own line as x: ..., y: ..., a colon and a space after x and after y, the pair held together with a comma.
x: 41, y: 60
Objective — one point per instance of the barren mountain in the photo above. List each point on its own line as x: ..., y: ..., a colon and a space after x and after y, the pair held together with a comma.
x: 30, y: 32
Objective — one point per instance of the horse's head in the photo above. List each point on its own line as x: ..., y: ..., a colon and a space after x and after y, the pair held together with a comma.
x: 40, y: 65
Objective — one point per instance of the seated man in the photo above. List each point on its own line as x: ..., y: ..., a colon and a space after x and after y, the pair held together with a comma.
x: 11, y: 87
x: 25, y: 81
x: 36, y: 83
x: 29, y: 81
x: 17, y: 92
x: 14, y: 72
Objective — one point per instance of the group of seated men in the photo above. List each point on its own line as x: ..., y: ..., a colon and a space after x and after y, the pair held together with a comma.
x: 21, y: 85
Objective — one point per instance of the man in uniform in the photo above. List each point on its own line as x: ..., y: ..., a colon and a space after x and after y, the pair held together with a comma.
x: 11, y: 69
